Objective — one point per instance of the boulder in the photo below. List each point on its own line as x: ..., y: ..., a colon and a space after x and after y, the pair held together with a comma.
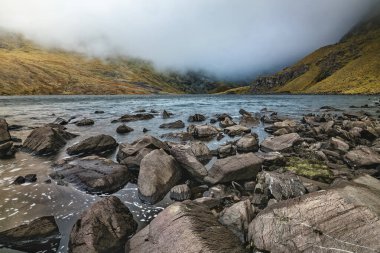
x: 7, y: 150
x: 180, y: 192
x: 201, y: 151
x: 226, y: 122
x: 93, y: 145
x: 202, y: 131
x: 176, y: 124
x: 196, y: 118
x: 41, y: 234
x: 237, y: 218
x: 226, y: 150
x: 339, y: 144
x: 92, y: 174
x: 123, y: 129
x: 166, y: 114
x: 132, y: 154
x: 288, y: 124
x: 4, y: 132
x: 342, y: 219
x: 236, y: 130
x: 85, y: 122
x: 238, y: 167
x: 280, y: 143
x: 47, y: 140
x: 248, y: 143
x: 104, y: 227
x: 249, y: 121
x: 60, y: 121
x: 181, y: 136
x: 362, y: 156
x: 271, y: 159
x: 184, y: 227
x: 185, y: 156
x: 136, y: 117
x: 281, y: 186
x: 159, y: 172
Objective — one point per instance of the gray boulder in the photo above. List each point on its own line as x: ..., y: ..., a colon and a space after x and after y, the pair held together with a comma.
x: 184, y: 227
x: 47, y: 140
x: 280, y: 143
x: 104, y: 227
x: 248, y: 143
x: 344, y: 219
x: 124, y: 129
x: 202, y: 131
x: 159, y: 172
x: 180, y: 192
x: 226, y: 150
x: 362, y: 156
x: 92, y: 174
x: 173, y: 125
x: 85, y: 122
x: 4, y: 133
x: 236, y: 130
x: 136, y: 117
x: 196, y: 118
x: 201, y: 151
x: 238, y: 167
x: 93, y: 145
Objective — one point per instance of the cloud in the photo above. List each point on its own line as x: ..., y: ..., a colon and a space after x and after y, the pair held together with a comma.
x: 231, y: 39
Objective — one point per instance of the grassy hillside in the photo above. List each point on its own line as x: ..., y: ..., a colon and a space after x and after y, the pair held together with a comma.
x: 351, y: 66
x: 28, y: 69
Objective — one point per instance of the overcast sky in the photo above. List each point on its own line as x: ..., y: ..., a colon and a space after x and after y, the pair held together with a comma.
x: 229, y: 38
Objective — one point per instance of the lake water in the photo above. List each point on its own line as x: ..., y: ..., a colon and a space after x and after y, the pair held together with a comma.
x: 22, y: 203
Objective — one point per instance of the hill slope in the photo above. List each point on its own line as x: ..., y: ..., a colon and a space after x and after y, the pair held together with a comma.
x: 351, y: 66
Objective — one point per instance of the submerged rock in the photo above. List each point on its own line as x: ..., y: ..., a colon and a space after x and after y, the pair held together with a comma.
x: 93, y: 145
x: 136, y: 117
x: 41, y: 234
x: 47, y: 140
x: 85, y: 122
x: 124, y: 129
x: 104, y: 227
x: 345, y: 218
x: 159, y: 172
x: 238, y: 167
x: 184, y: 227
x: 196, y: 118
x: 173, y: 125
x: 93, y: 174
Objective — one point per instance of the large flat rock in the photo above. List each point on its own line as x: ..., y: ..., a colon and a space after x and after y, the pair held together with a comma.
x: 184, y: 227
x: 279, y: 143
x: 341, y: 219
x: 94, y: 145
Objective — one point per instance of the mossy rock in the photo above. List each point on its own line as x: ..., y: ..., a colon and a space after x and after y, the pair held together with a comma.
x: 311, y: 169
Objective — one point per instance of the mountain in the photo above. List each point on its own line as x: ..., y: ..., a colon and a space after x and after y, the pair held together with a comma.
x: 351, y: 66
x: 28, y: 69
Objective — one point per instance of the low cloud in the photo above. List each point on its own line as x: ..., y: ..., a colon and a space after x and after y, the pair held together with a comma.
x: 230, y: 39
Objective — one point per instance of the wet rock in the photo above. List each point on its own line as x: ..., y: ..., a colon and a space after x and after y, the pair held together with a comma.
x: 132, y: 154
x: 201, y: 151
x: 136, y: 117
x: 280, y: 143
x: 165, y: 114
x: 226, y: 150
x: 19, y: 180
x: 159, y: 172
x: 184, y: 227
x: 7, y: 150
x: 213, y: 121
x: 248, y: 143
x: 145, y: 130
x: 202, y: 131
x: 60, y: 121
x: 180, y: 192
x: 362, y: 156
x: 141, y: 110
x: 93, y: 145
x: 92, y: 174
x: 196, y: 118
x: 99, y: 112
x: 41, y: 234
x: 237, y: 218
x: 30, y: 178
x: 227, y: 122
x: 4, y: 132
x: 104, y: 227
x: 186, y: 157
x: 244, y: 112
x: 222, y: 116
x: 326, y: 220
x: 281, y: 186
x: 173, y: 125
x: 249, y: 121
x: 181, y: 136
x: 219, y: 136
x: 123, y: 129
x: 85, y: 122
x: 239, y: 167
x: 236, y: 130
x: 46, y: 140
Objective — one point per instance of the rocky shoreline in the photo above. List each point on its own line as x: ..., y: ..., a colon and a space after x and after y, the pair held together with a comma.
x: 310, y: 186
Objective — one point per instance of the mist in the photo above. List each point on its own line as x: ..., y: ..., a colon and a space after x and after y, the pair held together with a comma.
x: 229, y: 39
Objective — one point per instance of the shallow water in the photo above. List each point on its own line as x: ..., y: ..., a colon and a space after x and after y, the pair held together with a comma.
x: 22, y: 203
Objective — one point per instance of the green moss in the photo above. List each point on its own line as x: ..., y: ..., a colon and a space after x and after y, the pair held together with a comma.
x: 310, y: 169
